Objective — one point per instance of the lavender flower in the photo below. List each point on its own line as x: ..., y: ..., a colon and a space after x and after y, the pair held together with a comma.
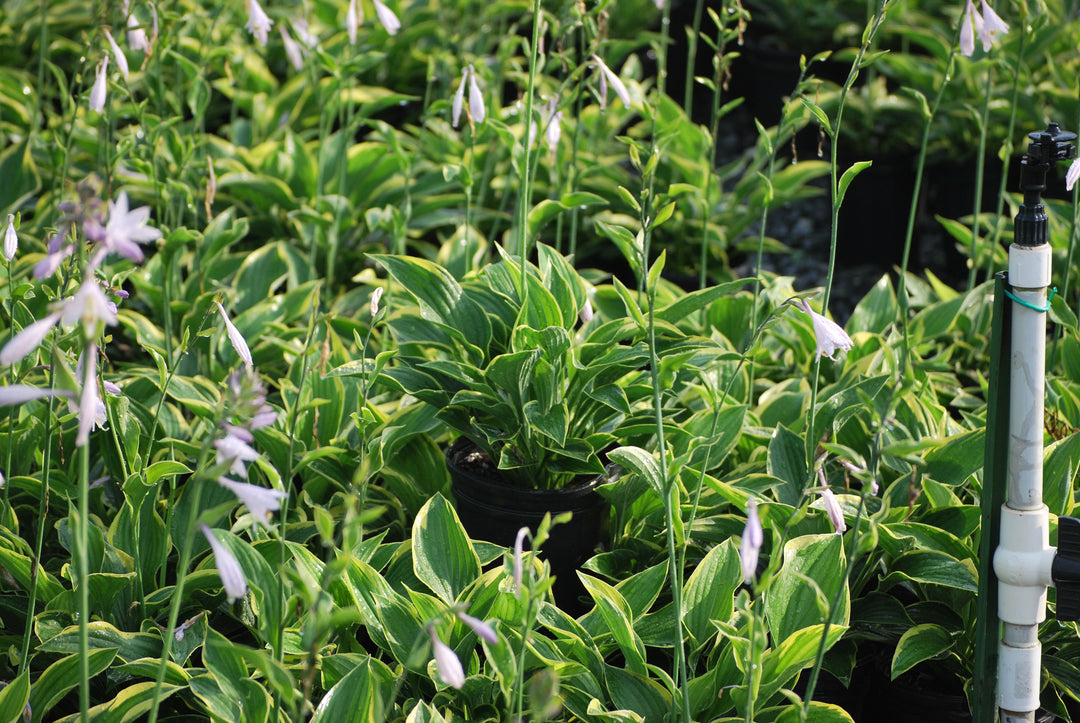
x: 28, y: 339
x: 235, y: 450
x: 832, y: 508
x: 136, y: 36
x: 211, y: 186
x: 607, y: 75
x: 586, y: 313
x: 248, y: 412
x: 992, y: 24
x: 554, y: 124
x: 236, y: 338
x: 260, y: 501
x: 387, y: 18
x: 752, y: 539
x: 182, y: 628
x: 247, y: 401
x: 229, y: 570
x: 89, y: 305
x: 99, y: 91
x: 14, y: 394
x: 258, y: 23
x: 352, y: 21
x: 986, y: 26
x: 376, y: 296
x: 123, y: 233
x: 830, y: 336
x: 831, y: 504
x: 91, y: 408
x: 446, y: 662
x: 477, y: 111
x: 1072, y: 175
x: 292, y: 50
x: 56, y: 251
x: 121, y: 61
x: 459, y: 98
x: 519, y: 550
x: 478, y: 626
x: 11, y: 239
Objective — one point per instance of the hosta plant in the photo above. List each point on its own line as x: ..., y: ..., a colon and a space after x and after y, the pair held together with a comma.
x: 537, y: 382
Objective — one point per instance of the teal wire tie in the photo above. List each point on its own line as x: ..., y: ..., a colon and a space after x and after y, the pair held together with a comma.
x: 1031, y: 306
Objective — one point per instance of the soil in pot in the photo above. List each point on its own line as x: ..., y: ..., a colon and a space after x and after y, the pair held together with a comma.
x: 494, y: 511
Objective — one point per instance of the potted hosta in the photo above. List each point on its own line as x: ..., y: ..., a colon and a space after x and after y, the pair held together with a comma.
x: 534, y: 386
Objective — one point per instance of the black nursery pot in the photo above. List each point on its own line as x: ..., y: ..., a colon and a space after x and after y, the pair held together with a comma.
x: 494, y: 511
x: 918, y: 696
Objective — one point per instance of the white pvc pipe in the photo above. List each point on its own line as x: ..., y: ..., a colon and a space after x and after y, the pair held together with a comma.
x: 1024, y: 557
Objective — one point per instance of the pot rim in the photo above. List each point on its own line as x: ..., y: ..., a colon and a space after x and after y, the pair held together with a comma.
x: 566, y: 495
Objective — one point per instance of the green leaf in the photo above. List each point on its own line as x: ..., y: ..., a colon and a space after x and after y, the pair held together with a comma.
x: 932, y: 567
x: 511, y: 373
x: 223, y: 662
x: 638, y: 693
x: 13, y: 697
x: 641, y: 589
x: 630, y: 244
x: 261, y: 578
x: 581, y: 199
x: 693, y: 302
x: 423, y: 712
x: 663, y: 214
x: 641, y: 463
x: 19, y: 567
x: 628, y: 198
x: 811, y: 575
x: 818, y: 113
x: 617, y: 617
x: 541, y: 214
x: 781, y: 664
x: 849, y: 176
x: 440, y: 297
x: 61, y: 677
x: 876, y: 311
x: 221, y: 702
x: 552, y: 423
x: 922, y: 642
x: 818, y: 713
x: 654, y: 272
x: 130, y: 704
x: 443, y: 557
x: 1061, y: 465
x: 710, y: 591
x: 787, y: 461
x: 959, y: 457
x: 18, y: 175
x: 148, y: 668
x: 359, y: 697
x: 256, y: 188
x: 128, y: 646
x: 1061, y: 314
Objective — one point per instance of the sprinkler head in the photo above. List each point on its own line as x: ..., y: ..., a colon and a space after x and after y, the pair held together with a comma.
x: 1046, y: 148
x: 1051, y: 145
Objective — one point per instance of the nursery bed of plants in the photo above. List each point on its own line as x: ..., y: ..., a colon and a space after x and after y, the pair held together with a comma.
x: 374, y: 361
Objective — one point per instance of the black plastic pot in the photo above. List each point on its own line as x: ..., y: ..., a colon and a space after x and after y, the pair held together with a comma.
x: 494, y: 511
x: 874, y: 216
x: 919, y: 696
